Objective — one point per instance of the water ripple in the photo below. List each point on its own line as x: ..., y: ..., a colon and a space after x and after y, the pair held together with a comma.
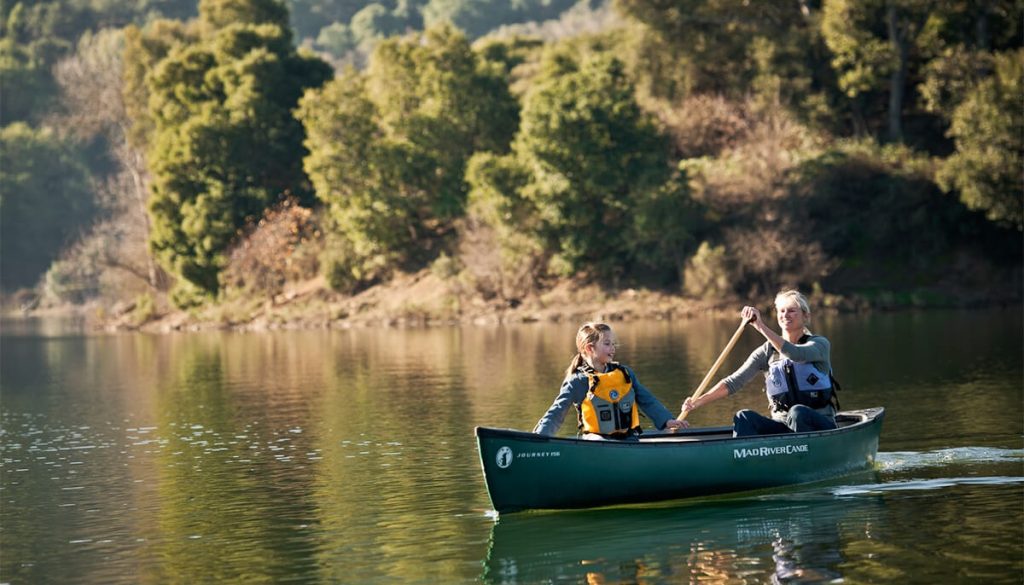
x: 907, y: 460
x: 923, y: 484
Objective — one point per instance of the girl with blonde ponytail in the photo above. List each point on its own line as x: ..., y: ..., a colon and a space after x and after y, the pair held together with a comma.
x: 594, y: 381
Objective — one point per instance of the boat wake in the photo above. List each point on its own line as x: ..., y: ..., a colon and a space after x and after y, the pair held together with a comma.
x: 903, y: 471
x: 897, y: 461
x: 922, y: 485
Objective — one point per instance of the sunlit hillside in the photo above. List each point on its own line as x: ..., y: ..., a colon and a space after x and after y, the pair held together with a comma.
x: 310, y: 163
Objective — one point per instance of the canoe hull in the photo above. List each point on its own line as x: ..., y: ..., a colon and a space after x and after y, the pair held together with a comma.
x: 528, y: 471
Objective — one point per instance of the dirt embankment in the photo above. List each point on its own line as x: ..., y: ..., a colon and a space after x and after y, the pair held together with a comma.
x: 420, y: 299
x: 424, y: 299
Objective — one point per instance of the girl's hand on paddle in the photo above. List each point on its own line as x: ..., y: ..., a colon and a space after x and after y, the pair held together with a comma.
x: 674, y: 424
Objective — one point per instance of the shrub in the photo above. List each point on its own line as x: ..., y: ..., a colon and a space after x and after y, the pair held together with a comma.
x: 445, y: 267
x: 282, y: 247
x: 774, y: 256
x: 145, y: 309
x: 70, y: 282
x: 704, y: 125
x: 707, y: 272
x: 345, y: 270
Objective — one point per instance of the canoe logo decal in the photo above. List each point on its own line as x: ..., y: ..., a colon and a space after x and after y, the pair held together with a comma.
x: 504, y: 457
x: 767, y: 451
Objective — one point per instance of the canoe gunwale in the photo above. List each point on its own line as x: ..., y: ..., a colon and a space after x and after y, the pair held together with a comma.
x: 667, y: 439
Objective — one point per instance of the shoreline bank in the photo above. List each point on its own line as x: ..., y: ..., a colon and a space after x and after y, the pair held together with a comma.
x: 423, y: 300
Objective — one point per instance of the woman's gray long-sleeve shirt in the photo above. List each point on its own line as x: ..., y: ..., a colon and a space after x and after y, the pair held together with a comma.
x: 574, y: 390
x: 815, y: 349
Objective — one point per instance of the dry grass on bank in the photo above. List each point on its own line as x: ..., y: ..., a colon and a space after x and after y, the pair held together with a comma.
x: 425, y: 299
x: 419, y: 299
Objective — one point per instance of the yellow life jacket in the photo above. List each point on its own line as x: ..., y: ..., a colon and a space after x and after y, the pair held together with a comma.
x: 610, y: 405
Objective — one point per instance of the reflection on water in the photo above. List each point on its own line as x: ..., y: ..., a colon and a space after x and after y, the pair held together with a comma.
x: 864, y: 528
x: 348, y: 457
x: 742, y: 541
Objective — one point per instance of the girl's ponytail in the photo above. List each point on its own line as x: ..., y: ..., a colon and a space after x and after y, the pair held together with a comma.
x: 575, y: 364
x: 588, y: 334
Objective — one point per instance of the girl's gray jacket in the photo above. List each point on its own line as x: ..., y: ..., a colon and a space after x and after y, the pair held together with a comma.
x: 574, y: 390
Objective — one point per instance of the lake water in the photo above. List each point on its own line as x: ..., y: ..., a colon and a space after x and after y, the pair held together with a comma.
x: 348, y: 457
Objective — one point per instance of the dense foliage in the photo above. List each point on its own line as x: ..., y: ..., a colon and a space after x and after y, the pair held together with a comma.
x: 988, y: 127
x: 589, y: 180
x: 225, y: 143
x: 343, y: 27
x: 388, y: 148
x: 44, y: 199
x: 715, y: 146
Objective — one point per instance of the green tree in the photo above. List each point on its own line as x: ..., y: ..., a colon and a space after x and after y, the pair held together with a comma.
x: 309, y: 17
x: 388, y: 148
x: 26, y: 87
x: 950, y: 77
x: 988, y: 128
x: 589, y: 146
x: 478, y: 17
x: 373, y: 23
x: 717, y: 42
x: 337, y: 39
x: 473, y: 17
x: 215, y: 15
x: 225, y: 144
x: 35, y: 36
x: 356, y: 170
x: 962, y: 40
x: 144, y: 48
x: 502, y: 231
x: 878, y: 46
x: 590, y: 182
x: 44, y: 199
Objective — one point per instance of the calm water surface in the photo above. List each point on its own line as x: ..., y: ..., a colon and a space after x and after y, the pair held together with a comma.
x: 348, y: 457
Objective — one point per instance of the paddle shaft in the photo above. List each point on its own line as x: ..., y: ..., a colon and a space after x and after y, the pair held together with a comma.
x: 714, y: 368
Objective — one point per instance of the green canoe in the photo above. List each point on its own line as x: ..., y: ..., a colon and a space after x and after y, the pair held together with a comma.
x: 529, y: 471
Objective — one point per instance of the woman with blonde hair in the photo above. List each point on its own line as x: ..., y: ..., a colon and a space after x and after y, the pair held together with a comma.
x: 797, y: 370
x: 606, y: 394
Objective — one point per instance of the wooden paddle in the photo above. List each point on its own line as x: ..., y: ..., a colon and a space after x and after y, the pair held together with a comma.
x: 714, y: 368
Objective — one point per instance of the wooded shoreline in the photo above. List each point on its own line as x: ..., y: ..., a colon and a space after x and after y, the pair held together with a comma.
x: 204, y: 168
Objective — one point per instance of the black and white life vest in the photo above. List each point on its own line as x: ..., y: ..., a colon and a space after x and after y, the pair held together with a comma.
x: 789, y: 383
x: 610, y: 405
